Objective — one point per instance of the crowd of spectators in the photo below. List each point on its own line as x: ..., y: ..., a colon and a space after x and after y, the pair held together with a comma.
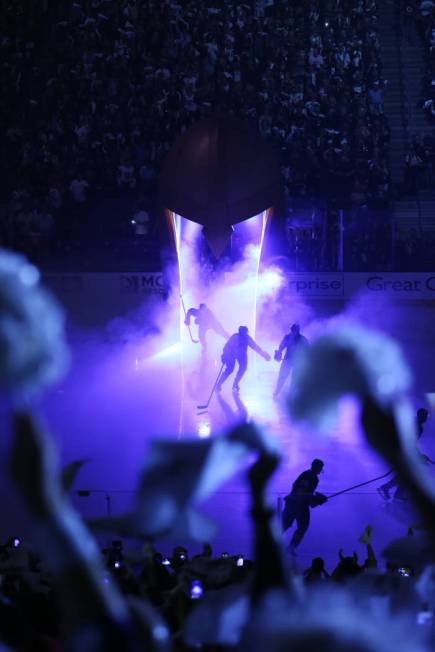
x: 355, y: 240
x: 339, y: 135
x: 96, y: 95
x: 419, y: 164
x: 427, y: 11
x: 174, y: 586
x: 418, y: 18
x: 70, y: 595
x: 367, y: 243
x: 414, y: 250
x: 427, y: 29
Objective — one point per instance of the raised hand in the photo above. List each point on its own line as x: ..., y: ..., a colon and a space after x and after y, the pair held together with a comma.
x: 366, y: 536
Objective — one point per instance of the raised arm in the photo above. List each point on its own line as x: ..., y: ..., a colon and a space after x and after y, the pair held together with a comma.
x: 90, y: 608
x: 269, y: 570
x: 68, y: 550
x: 366, y: 540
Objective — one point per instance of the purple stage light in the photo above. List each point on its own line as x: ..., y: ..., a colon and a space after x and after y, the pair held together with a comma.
x: 168, y: 352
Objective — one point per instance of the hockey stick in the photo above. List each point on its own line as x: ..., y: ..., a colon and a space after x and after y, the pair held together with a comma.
x: 205, y: 406
x: 355, y: 486
x: 188, y: 325
x: 361, y: 484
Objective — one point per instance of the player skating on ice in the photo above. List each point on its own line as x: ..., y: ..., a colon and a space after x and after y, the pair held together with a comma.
x: 302, y: 497
x: 289, y: 344
x: 236, y: 350
x: 206, y: 321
